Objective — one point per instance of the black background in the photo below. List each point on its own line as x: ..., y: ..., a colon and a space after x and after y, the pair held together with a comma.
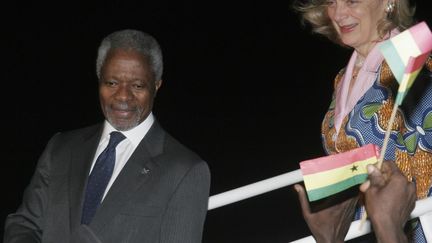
x: 245, y: 86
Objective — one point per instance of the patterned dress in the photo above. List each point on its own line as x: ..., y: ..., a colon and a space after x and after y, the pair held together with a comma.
x: 410, y: 144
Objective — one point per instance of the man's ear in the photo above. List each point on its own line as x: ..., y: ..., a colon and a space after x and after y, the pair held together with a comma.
x: 158, y: 84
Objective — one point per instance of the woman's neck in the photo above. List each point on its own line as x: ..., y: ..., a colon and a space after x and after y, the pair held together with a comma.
x: 359, y: 61
x: 363, y: 50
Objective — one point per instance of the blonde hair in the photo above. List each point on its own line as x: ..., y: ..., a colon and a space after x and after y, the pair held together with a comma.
x: 314, y: 12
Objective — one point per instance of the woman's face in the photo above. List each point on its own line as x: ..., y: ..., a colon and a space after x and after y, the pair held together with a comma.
x: 356, y: 21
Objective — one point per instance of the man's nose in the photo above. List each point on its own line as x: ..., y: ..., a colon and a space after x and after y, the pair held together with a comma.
x: 123, y: 93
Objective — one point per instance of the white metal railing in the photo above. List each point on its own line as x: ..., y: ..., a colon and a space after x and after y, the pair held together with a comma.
x: 422, y: 207
x: 254, y: 189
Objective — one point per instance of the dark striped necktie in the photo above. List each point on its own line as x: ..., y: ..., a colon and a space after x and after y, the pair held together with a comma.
x: 99, y: 178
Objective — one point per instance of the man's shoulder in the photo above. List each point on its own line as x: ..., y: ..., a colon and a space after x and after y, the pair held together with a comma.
x: 180, y: 151
x: 160, y: 142
x: 76, y: 135
x: 177, y: 154
x: 82, y: 131
x: 175, y: 159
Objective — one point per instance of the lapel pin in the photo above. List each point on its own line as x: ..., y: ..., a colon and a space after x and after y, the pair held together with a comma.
x: 145, y: 171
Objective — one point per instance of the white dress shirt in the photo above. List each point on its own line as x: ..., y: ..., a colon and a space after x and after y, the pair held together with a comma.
x: 125, y: 148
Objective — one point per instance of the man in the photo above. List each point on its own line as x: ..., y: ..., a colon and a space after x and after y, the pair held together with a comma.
x: 124, y: 180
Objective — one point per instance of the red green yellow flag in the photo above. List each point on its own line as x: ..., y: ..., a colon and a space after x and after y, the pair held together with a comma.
x: 328, y: 175
x: 406, y: 54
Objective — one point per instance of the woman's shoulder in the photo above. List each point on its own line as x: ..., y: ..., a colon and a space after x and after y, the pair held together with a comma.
x: 386, y: 75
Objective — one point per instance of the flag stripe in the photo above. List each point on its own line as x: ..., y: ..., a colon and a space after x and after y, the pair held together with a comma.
x: 422, y: 36
x: 335, y: 188
x: 406, y: 39
x: 329, y: 177
x: 408, y: 81
x: 416, y: 63
x: 338, y: 160
x: 393, y: 59
x: 406, y: 85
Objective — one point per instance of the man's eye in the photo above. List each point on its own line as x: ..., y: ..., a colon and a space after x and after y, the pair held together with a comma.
x: 139, y: 85
x: 110, y: 83
x: 352, y: 2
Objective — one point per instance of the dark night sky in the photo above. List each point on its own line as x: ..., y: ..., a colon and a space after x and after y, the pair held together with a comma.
x: 245, y: 86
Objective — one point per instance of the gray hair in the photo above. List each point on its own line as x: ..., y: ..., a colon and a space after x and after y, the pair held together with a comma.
x: 132, y: 40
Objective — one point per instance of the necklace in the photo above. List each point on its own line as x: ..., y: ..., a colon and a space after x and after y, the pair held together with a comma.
x: 359, y: 61
x: 354, y: 75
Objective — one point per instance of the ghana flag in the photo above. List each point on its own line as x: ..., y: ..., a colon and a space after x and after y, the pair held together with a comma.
x: 331, y: 174
x: 406, y: 54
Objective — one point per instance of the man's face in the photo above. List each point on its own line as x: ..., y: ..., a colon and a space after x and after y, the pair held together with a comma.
x: 126, y: 89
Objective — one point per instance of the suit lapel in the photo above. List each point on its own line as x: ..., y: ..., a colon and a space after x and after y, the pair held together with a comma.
x: 81, y: 158
x: 133, y: 176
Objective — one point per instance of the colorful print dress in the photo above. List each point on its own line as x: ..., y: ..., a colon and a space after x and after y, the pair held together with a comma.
x: 410, y: 144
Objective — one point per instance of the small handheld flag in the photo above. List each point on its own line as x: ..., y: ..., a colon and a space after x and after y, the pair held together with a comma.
x: 331, y: 174
x: 406, y: 53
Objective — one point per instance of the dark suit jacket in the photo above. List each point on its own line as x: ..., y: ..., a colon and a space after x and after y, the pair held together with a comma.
x: 161, y: 194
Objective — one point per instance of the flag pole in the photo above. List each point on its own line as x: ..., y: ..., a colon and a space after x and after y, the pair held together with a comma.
x: 387, y: 134
x: 383, y: 150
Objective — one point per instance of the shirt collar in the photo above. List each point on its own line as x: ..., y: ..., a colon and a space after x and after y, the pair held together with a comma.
x: 134, y: 135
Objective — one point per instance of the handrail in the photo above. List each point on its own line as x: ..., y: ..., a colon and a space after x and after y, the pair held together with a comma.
x: 254, y: 189
x: 422, y: 207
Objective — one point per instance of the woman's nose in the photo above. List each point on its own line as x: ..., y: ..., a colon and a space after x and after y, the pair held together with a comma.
x: 340, y: 11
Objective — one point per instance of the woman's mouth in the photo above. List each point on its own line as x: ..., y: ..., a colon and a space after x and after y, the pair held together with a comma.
x: 347, y: 28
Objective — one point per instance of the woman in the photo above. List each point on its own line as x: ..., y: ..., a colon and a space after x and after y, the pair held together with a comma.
x: 365, y: 90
